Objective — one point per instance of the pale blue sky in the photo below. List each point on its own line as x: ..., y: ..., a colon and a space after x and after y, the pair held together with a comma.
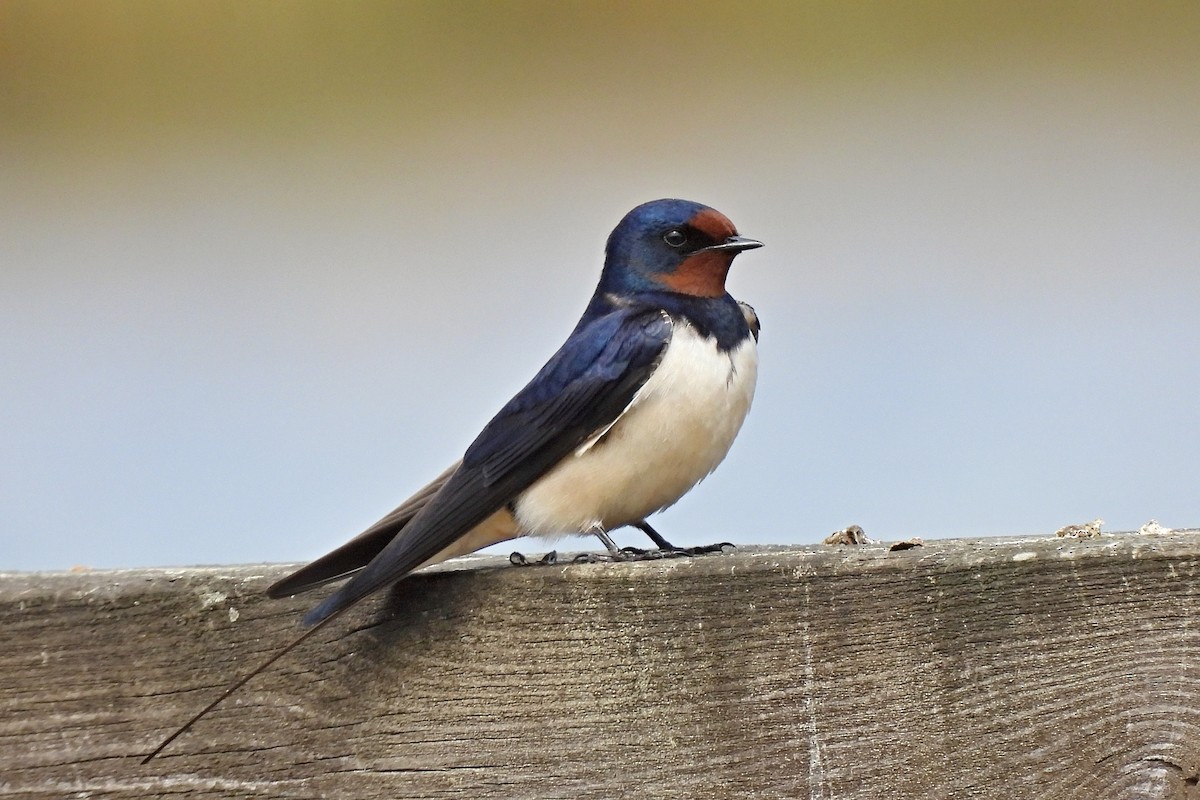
x: 244, y: 315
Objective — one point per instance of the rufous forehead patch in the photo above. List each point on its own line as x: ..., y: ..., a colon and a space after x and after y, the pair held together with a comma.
x: 713, y: 223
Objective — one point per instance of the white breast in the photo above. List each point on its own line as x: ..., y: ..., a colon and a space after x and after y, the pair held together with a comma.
x: 676, y: 431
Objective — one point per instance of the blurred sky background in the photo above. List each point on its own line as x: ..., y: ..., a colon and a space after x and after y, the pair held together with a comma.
x: 266, y: 268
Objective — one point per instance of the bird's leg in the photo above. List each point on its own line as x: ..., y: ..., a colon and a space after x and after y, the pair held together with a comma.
x: 609, y: 544
x: 614, y: 553
x: 666, y: 548
x: 655, y: 536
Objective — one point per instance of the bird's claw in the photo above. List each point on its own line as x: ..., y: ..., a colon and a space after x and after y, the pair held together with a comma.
x: 678, y: 552
x: 638, y: 554
x: 625, y: 554
x: 519, y: 560
x: 703, y: 550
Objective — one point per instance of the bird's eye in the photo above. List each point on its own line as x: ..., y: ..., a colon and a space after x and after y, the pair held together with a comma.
x: 675, y: 238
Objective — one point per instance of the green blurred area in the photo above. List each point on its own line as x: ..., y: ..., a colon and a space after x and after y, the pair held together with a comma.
x: 98, y: 75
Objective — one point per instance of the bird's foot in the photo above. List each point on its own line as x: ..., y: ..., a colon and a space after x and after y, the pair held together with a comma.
x: 656, y: 554
x: 623, y: 554
x: 679, y: 552
x: 519, y: 560
x: 594, y: 558
x: 664, y: 546
x: 707, y: 549
x: 663, y: 550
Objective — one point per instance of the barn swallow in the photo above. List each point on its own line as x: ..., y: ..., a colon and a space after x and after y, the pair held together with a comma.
x: 640, y: 404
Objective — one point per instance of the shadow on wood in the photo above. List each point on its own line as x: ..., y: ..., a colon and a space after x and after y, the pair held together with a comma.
x: 1028, y: 668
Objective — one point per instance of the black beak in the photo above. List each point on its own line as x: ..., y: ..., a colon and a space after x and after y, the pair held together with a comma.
x: 734, y: 244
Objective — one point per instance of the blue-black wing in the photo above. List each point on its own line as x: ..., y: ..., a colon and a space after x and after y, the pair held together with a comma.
x: 584, y: 387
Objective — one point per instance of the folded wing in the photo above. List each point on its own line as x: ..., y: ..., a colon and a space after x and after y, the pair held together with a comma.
x: 584, y: 387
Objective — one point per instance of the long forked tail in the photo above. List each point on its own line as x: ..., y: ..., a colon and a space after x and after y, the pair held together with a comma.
x: 239, y: 683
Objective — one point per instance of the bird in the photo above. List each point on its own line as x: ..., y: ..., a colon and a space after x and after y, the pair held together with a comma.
x: 641, y: 402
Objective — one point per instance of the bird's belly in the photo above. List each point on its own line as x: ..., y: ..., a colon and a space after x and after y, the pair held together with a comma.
x: 675, y: 432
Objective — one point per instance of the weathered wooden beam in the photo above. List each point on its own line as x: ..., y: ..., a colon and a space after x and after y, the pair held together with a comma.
x: 1029, y: 668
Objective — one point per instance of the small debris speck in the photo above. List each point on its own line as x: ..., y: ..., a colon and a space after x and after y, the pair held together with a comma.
x: 907, y: 544
x: 210, y: 599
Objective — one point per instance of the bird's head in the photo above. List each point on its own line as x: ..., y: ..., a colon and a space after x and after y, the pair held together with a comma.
x: 672, y: 245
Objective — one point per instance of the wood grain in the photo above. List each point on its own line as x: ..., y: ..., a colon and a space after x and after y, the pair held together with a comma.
x: 1025, y: 668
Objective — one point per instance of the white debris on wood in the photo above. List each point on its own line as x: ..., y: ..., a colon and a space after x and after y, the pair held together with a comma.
x: 1086, y: 530
x: 1152, y: 528
x: 850, y: 535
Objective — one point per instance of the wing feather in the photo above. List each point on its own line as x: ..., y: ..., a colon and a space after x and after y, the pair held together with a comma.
x: 358, y: 552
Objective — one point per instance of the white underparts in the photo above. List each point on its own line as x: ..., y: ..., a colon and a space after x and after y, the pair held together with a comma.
x: 674, y: 433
